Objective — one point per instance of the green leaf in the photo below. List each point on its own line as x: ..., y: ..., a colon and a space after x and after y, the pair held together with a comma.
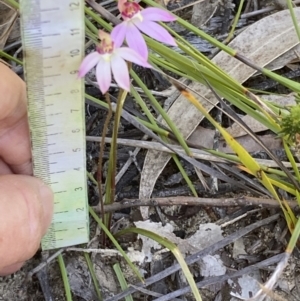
x: 174, y: 249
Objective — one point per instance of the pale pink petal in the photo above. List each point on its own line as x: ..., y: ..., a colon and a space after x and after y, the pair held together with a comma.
x: 157, y: 14
x: 136, y: 41
x: 121, y: 5
x: 156, y: 32
x: 118, y: 34
x: 103, y: 74
x: 120, y: 72
x: 89, y: 62
x: 103, y: 35
x: 130, y: 55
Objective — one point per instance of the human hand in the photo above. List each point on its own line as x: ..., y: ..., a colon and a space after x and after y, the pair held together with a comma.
x: 26, y: 203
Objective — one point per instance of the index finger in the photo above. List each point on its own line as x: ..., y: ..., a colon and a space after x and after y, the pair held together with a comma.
x: 14, y: 132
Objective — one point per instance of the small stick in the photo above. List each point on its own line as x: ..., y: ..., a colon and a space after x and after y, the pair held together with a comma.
x: 193, y: 201
x: 43, y: 264
x: 103, y: 252
x: 103, y: 12
x: 258, y: 12
x: 238, y: 218
x: 197, y: 154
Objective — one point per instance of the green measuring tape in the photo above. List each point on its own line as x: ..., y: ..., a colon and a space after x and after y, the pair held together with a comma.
x: 53, y: 47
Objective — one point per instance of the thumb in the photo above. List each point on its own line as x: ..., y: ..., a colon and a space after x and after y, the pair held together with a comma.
x: 26, y: 207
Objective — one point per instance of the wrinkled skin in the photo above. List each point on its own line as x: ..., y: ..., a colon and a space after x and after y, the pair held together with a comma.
x: 26, y: 203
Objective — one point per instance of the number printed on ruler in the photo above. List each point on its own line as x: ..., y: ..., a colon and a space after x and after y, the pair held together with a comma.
x: 53, y: 44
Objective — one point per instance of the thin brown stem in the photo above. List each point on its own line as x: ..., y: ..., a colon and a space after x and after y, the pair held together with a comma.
x: 193, y: 201
x: 248, y: 62
x: 103, y: 12
x: 101, y: 152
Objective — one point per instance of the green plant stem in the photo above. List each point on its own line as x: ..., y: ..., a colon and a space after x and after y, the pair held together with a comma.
x: 116, y: 244
x: 291, y: 159
x: 64, y: 277
x: 100, y: 160
x: 174, y: 249
x: 144, y: 122
x: 93, y: 275
x: 98, y: 19
x: 191, y: 51
x: 9, y: 57
x: 295, y: 21
x: 184, y: 175
x: 160, y: 109
x: 90, y: 176
x: 122, y: 280
x: 195, y: 30
x: 232, y: 52
x: 236, y: 19
x: 111, y: 173
x: 162, y: 112
x: 12, y: 3
x: 294, y: 238
x: 144, y: 107
x: 93, y: 30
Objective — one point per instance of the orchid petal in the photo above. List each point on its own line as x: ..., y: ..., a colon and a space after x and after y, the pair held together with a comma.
x: 130, y: 55
x: 103, y: 74
x: 136, y: 41
x: 157, y: 14
x: 89, y: 62
x: 104, y: 35
x: 121, y: 5
x: 120, y: 72
x: 156, y: 32
x: 118, y: 34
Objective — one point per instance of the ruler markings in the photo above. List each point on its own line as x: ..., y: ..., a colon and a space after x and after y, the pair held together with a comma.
x: 53, y: 94
x: 52, y: 75
x: 51, y: 154
x: 54, y: 134
x: 49, y: 9
x: 51, y: 57
x: 53, y: 39
x: 50, y: 35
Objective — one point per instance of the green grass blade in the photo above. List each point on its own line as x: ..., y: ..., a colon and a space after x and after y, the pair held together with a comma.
x: 64, y: 277
x: 295, y: 21
x: 174, y: 249
x: 294, y: 238
x: 122, y: 280
x: 116, y: 244
x: 12, y: 3
x: 93, y: 275
x: 184, y: 175
x: 162, y: 112
x: 291, y: 159
x: 9, y: 57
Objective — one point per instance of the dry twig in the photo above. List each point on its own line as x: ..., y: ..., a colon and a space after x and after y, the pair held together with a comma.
x: 193, y: 201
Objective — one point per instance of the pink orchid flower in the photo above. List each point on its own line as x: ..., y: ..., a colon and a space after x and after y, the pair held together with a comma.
x: 136, y: 20
x: 111, y: 60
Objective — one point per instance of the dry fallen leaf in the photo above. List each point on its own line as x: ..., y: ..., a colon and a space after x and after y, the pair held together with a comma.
x: 202, y: 11
x: 205, y: 137
x: 263, y: 42
x: 284, y: 100
x: 205, y: 236
x: 8, y: 18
